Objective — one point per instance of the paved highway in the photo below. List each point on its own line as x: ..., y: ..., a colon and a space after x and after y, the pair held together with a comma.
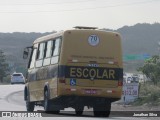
x: 11, y: 99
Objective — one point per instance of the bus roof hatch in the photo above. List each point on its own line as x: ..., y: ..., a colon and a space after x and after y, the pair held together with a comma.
x: 83, y: 27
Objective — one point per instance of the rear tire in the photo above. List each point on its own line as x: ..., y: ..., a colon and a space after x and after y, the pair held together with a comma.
x: 47, y: 104
x: 96, y: 112
x: 79, y: 110
x: 29, y: 105
x: 46, y: 101
x: 101, y: 110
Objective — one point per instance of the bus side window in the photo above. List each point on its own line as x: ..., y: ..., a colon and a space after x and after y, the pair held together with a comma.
x: 33, y: 57
x: 40, y: 55
x: 55, y: 51
x: 47, y: 55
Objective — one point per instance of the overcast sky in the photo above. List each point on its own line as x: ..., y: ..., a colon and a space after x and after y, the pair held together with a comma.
x: 49, y: 15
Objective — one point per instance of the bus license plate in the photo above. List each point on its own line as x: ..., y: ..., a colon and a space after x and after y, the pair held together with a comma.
x: 90, y: 91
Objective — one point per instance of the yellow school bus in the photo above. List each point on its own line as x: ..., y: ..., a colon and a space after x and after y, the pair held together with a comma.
x: 75, y: 68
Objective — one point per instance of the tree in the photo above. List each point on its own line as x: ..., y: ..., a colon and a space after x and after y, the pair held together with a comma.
x: 151, y: 69
x: 3, y: 66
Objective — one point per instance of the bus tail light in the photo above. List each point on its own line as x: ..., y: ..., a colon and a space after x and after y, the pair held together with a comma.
x: 71, y: 89
x: 72, y: 61
x: 113, y: 62
x: 111, y: 91
x: 62, y: 80
x: 120, y: 83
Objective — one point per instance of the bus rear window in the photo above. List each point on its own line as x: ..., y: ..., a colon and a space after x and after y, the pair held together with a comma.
x: 17, y: 75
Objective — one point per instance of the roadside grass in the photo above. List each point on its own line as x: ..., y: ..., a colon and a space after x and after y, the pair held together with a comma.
x: 149, y: 94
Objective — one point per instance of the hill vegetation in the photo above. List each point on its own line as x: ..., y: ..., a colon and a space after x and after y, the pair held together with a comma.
x: 137, y: 39
x: 140, y: 38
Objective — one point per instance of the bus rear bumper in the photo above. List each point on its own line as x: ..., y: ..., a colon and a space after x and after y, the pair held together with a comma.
x: 109, y: 93
x: 90, y: 101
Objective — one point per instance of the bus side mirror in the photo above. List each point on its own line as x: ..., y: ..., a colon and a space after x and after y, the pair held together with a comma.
x: 25, y: 53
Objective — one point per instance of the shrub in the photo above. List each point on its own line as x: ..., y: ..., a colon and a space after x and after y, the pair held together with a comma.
x: 148, y: 94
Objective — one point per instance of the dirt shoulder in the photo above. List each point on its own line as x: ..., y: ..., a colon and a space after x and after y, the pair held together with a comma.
x: 122, y: 107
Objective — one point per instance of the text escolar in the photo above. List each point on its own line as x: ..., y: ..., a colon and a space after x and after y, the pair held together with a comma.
x: 92, y: 73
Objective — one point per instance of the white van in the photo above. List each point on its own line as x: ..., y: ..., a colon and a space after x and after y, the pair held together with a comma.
x: 17, y: 78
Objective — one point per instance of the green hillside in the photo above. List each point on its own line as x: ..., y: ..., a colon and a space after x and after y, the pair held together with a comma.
x: 136, y: 40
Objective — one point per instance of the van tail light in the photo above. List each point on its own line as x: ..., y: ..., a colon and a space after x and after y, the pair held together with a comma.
x: 62, y: 80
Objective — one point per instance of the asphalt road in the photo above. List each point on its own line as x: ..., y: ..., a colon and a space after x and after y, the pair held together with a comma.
x: 11, y: 99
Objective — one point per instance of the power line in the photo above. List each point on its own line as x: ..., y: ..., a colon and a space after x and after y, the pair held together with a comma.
x: 81, y: 9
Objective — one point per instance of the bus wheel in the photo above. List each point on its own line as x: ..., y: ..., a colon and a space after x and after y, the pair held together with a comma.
x: 46, y: 101
x: 79, y: 110
x: 47, y: 104
x: 102, y: 111
x: 106, y: 110
x: 29, y: 105
x: 96, y: 112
